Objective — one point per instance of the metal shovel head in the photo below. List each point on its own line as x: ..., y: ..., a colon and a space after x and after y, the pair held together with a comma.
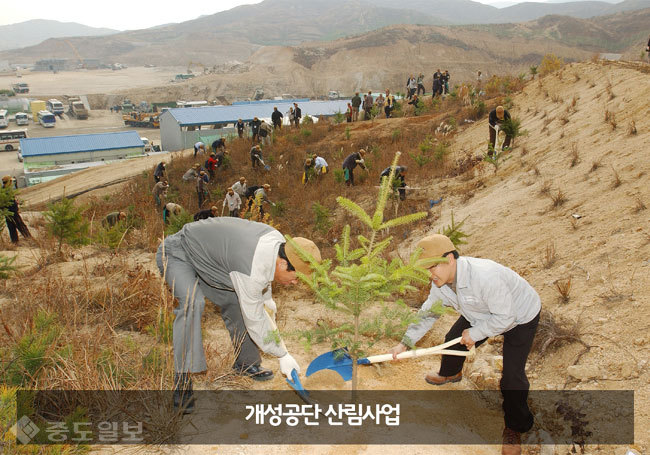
x: 267, y: 167
x: 296, y: 385
x: 338, y: 360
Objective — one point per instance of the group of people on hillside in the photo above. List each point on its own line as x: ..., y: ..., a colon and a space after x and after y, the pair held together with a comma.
x: 382, y: 103
x: 440, y: 84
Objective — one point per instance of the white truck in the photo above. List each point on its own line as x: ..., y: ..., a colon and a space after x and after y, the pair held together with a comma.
x: 21, y: 118
x: 4, y: 119
x: 55, y: 106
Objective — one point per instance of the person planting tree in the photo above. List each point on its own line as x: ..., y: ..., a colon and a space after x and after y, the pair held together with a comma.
x: 197, y: 262
x: 498, y: 116
x: 492, y: 300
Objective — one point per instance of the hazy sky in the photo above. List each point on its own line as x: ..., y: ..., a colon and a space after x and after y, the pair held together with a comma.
x: 127, y: 14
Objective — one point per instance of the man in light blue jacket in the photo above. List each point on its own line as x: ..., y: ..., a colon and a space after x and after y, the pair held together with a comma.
x: 492, y: 300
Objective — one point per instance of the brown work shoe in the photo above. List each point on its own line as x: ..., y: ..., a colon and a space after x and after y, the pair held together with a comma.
x: 511, y: 442
x: 436, y: 379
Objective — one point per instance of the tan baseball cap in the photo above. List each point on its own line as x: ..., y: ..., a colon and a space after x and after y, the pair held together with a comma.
x: 306, y: 245
x: 434, y: 246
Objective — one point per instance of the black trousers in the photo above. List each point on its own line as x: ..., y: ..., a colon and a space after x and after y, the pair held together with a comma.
x: 514, y: 383
x: 493, y: 140
x: 420, y: 87
x: 16, y: 224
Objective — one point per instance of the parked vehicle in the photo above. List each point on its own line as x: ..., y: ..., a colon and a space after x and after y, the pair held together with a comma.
x: 4, y: 119
x: 77, y: 109
x: 333, y: 95
x: 21, y: 87
x: 55, y: 106
x: 21, y: 119
x: 46, y: 119
x: 10, y: 140
x: 147, y: 145
x: 141, y: 120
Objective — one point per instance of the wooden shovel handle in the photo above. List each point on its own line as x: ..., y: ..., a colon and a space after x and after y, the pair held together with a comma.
x: 440, y: 349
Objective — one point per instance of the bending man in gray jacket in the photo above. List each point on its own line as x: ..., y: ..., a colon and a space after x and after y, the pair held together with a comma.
x: 492, y: 300
x: 233, y: 263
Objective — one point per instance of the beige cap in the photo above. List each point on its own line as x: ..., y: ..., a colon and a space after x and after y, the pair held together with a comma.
x: 435, y: 246
x: 266, y: 186
x: 307, y: 246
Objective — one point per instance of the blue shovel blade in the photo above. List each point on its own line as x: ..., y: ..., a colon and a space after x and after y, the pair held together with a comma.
x: 338, y: 360
x: 296, y: 385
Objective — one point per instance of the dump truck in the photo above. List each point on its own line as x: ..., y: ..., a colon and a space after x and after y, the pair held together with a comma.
x: 21, y: 87
x: 141, y: 120
x: 77, y: 109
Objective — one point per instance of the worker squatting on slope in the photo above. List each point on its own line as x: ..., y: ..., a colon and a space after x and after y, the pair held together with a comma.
x: 233, y: 201
x: 350, y: 162
x: 497, y: 116
x: 492, y: 300
x: 399, y: 179
x: 197, y: 262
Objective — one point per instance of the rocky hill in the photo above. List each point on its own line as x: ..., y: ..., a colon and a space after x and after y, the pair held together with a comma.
x: 238, y: 33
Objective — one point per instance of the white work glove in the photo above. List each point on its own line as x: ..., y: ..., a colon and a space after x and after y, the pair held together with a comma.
x: 288, y: 364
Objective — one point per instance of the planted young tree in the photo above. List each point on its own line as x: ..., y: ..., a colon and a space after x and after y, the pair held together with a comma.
x: 364, y: 279
x: 66, y: 223
x: 512, y: 128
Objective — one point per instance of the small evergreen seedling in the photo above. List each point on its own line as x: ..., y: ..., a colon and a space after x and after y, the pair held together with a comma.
x: 66, y: 223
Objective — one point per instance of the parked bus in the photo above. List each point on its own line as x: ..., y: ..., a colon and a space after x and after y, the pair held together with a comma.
x: 46, y: 119
x: 4, y: 120
x: 22, y: 119
x: 55, y: 106
x: 10, y: 140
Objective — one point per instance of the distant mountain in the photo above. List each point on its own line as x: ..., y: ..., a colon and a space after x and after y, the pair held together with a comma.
x: 471, y: 12
x: 240, y: 33
x: 32, y: 32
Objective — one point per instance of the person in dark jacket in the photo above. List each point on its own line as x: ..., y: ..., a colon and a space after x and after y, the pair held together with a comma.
x: 112, y: 219
x: 297, y: 114
x: 276, y: 118
x: 255, y: 128
x: 159, y: 172
x: 445, y: 78
x: 206, y: 213
x: 13, y: 219
x: 497, y: 117
x: 240, y: 128
x: 399, y: 182
x: 219, y: 144
x: 437, y: 83
x: 356, y: 104
x: 389, y: 104
x: 350, y: 163
x: 220, y: 157
x: 256, y: 156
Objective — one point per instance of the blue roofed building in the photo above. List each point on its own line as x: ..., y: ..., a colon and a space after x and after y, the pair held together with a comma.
x: 46, y: 158
x: 181, y: 128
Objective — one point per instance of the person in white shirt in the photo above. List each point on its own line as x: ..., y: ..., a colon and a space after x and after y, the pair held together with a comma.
x: 233, y: 263
x: 492, y: 300
x: 240, y: 187
x: 234, y: 202
x: 199, y: 146
x: 320, y: 165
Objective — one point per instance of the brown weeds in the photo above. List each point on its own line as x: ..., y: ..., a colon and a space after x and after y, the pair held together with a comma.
x: 550, y: 256
x: 563, y: 288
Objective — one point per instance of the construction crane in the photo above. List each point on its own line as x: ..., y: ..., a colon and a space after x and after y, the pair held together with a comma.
x: 76, y: 52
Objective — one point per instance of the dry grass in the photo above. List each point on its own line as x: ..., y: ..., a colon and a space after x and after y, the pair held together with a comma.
x: 563, y: 288
x: 595, y: 165
x: 639, y: 205
x: 616, y: 181
x: 575, y: 155
x: 558, y: 199
x: 555, y: 332
x: 550, y: 256
x: 545, y: 188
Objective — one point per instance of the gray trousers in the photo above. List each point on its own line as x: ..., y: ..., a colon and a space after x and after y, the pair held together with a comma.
x: 190, y: 291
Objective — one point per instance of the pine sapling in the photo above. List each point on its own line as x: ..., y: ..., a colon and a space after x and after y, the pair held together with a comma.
x: 66, y: 223
x: 362, y: 279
